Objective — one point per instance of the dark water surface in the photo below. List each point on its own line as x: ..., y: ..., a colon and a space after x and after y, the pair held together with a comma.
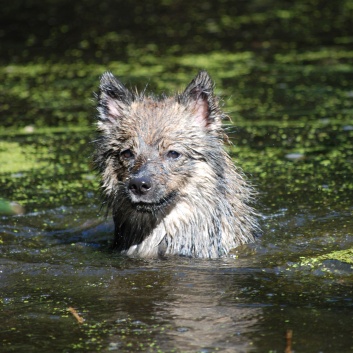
x: 285, y: 71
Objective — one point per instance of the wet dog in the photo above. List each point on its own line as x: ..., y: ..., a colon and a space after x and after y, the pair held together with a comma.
x: 171, y: 187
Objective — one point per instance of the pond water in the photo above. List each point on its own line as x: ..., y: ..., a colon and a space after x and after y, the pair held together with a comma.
x: 62, y: 289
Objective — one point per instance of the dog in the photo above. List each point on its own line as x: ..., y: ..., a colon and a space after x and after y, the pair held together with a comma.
x: 165, y: 175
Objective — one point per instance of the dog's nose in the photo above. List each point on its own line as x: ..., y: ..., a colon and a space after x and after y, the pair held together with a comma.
x: 140, y: 185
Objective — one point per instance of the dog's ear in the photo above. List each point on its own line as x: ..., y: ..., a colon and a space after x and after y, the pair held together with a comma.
x: 113, y: 98
x: 199, y: 97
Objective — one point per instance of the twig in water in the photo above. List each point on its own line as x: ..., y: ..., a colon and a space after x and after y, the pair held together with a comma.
x: 79, y: 319
x: 289, y: 335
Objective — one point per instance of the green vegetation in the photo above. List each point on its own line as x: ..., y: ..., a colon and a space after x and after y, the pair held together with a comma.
x: 340, y: 255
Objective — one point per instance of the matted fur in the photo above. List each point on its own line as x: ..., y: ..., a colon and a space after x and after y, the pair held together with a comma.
x: 195, y: 202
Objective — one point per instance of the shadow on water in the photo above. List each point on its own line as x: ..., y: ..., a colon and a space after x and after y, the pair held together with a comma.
x: 285, y: 70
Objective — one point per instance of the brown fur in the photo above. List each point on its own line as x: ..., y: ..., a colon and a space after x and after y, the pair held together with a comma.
x: 170, y: 185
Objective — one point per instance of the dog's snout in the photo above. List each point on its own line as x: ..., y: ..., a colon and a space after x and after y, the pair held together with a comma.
x: 140, y: 185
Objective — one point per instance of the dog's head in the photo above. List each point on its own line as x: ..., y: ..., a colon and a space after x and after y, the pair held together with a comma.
x: 150, y: 147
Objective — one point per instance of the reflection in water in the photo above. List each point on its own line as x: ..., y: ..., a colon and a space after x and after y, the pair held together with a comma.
x: 208, y: 320
x: 189, y: 300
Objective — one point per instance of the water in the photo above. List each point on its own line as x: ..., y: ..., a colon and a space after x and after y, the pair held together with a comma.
x: 286, y: 79
x: 57, y: 257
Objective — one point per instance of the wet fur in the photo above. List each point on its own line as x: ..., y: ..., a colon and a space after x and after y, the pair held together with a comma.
x: 198, y: 204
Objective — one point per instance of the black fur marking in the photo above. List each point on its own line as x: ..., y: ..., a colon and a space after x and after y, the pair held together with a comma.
x: 152, y: 207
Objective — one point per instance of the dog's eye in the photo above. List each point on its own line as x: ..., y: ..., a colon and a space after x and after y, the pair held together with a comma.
x: 127, y: 154
x: 173, y: 154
